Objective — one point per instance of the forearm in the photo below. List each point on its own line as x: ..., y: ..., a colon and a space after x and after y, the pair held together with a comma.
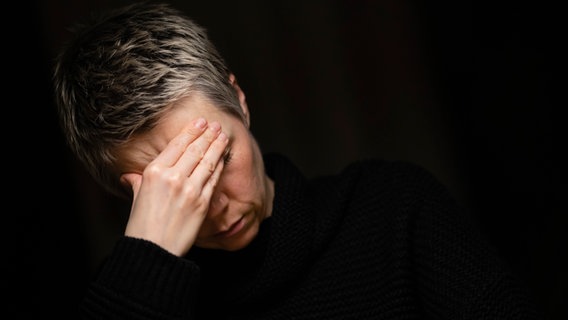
x: 140, y: 280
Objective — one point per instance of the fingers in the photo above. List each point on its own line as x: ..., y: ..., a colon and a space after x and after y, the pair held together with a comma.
x: 195, y: 156
x: 211, y: 161
x: 211, y: 183
x: 178, y: 145
x: 197, y: 151
x: 171, y: 201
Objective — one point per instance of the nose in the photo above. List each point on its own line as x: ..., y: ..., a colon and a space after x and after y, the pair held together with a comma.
x: 218, y: 204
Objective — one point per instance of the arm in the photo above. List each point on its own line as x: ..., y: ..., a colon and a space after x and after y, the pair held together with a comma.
x: 140, y: 280
x: 145, y: 277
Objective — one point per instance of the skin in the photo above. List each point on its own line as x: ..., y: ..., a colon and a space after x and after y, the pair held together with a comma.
x: 197, y: 178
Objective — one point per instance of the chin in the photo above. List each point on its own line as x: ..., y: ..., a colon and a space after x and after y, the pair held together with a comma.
x: 242, y: 242
x: 235, y: 243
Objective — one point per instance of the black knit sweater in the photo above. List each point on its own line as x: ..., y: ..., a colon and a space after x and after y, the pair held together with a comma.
x: 380, y: 240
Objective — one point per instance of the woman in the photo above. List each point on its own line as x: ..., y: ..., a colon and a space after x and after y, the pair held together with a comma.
x: 218, y: 230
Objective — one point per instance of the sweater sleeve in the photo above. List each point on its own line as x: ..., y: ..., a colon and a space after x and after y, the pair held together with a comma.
x: 459, y: 274
x: 140, y: 280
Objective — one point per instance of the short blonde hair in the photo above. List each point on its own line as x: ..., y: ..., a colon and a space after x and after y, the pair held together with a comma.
x: 121, y: 72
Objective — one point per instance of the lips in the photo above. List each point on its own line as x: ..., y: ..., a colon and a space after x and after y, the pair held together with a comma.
x: 233, y: 229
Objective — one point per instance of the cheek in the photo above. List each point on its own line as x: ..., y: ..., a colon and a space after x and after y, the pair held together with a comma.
x: 237, y: 178
x: 240, y: 175
x: 243, y: 174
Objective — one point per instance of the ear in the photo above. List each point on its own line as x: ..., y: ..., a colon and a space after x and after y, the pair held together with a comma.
x: 242, y: 98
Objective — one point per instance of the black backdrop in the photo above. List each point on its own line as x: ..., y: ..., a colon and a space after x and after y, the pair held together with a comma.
x: 464, y: 90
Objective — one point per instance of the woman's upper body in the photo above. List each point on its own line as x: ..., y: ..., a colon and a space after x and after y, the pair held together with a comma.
x: 219, y: 231
x: 380, y: 240
x: 148, y: 105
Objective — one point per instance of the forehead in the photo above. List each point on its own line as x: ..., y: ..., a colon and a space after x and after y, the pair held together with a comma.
x: 186, y: 110
x: 135, y: 155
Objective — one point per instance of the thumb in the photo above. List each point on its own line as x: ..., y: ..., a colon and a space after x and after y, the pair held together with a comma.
x: 133, y: 181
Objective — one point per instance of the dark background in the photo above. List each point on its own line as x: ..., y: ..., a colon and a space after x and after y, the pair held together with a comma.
x: 465, y: 89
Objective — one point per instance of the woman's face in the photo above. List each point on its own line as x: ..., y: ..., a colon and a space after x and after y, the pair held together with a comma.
x: 243, y: 196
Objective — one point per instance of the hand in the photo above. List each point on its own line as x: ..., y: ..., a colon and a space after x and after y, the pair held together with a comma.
x: 172, y: 195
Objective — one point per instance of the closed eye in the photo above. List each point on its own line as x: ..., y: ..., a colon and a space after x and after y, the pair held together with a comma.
x: 227, y: 156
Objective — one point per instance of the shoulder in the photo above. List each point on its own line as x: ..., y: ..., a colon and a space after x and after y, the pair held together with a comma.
x: 391, y: 174
x: 380, y: 183
x: 396, y: 189
x: 383, y: 167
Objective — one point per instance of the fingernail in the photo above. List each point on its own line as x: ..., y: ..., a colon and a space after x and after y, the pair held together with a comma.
x: 215, y: 126
x: 200, y: 123
x: 222, y: 137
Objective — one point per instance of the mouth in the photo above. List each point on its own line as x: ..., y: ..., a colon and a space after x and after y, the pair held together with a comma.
x: 235, y: 228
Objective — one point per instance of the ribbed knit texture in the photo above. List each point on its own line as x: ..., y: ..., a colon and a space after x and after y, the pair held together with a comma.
x: 380, y: 240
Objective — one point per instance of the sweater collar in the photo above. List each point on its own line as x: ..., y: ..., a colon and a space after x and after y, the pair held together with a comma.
x: 292, y: 225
